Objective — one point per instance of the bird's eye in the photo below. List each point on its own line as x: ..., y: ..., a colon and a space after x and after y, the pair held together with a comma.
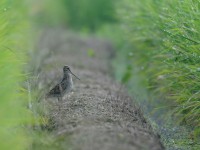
x: 66, y: 68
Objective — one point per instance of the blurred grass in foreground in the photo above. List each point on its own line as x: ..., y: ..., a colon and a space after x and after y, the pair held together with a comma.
x: 14, y: 42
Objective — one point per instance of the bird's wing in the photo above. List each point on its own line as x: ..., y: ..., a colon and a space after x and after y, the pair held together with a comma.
x: 55, y: 91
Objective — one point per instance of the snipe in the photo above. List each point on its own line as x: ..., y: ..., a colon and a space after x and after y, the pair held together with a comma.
x: 65, y: 86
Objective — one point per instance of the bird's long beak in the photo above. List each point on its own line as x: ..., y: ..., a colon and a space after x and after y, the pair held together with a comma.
x: 74, y: 75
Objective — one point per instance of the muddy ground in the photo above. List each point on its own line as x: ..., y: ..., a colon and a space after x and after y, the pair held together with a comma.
x: 98, y: 113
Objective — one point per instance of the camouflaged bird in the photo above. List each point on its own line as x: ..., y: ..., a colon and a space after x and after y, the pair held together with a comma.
x: 65, y: 86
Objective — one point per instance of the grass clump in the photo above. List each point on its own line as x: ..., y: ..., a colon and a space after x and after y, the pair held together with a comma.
x: 14, y: 43
x: 159, y: 48
x: 164, y: 36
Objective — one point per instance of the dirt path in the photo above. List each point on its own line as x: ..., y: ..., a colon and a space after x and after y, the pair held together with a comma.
x: 97, y: 114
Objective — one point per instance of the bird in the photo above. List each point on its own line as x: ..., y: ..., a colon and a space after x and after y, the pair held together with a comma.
x: 65, y: 85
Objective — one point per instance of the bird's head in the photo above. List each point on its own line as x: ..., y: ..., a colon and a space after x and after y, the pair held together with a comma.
x: 66, y: 70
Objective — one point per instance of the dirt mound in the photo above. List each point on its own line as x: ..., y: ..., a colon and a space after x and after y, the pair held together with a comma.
x: 98, y: 114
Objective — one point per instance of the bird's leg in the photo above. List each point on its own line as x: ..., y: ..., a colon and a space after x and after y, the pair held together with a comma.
x: 58, y: 103
x: 61, y: 91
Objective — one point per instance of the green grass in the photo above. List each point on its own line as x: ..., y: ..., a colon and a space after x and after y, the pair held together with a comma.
x: 47, y: 141
x: 47, y: 14
x: 158, y: 54
x: 80, y: 15
x: 165, y: 35
x: 89, y: 14
x: 14, y: 44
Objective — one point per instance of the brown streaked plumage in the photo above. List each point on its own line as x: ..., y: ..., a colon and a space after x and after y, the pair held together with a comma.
x: 65, y: 86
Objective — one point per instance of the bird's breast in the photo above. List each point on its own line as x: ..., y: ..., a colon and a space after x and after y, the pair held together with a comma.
x: 67, y: 85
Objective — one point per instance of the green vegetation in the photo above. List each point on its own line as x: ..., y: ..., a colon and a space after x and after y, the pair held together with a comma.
x: 46, y: 141
x: 14, y: 43
x: 89, y: 14
x: 47, y: 13
x: 158, y: 54
x: 165, y: 39
x: 82, y: 15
